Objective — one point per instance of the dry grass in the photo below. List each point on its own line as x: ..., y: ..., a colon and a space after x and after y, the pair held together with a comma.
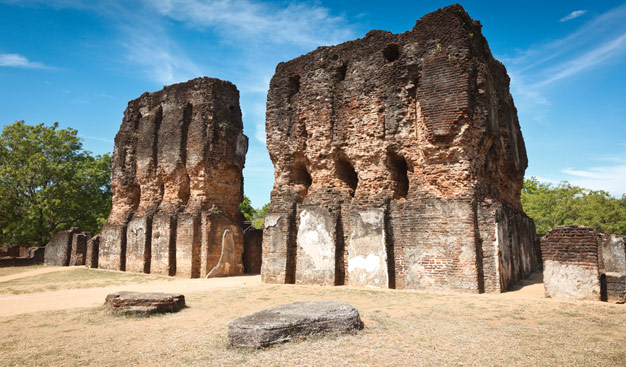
x: 402, y: 328
x: 18, y: 269
x: 76, y: 278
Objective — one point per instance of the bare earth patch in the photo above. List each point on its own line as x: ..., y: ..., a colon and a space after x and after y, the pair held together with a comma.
x: 402, y: 328
x: 4, y: 272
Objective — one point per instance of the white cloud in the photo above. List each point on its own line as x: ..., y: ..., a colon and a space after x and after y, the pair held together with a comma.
x: 19, y: 61
x: 595, y: 43
x: 259, y: 22
x: 89, y: 137
x: 608, y: 178
x: 586, y: 60
x: 573, y: 15
x: 161, y: 58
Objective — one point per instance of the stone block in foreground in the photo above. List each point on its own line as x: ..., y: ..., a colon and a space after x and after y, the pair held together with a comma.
x: 144, y: 303
x: 292, y: 321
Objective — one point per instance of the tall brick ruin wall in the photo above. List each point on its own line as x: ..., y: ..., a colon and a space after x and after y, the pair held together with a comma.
x: 579, y: 263
x: 398, y: 163
x: 177, y: 184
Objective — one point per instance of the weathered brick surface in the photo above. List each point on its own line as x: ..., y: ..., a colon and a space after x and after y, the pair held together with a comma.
x: 79, y: 248
x: 59, y: 248
x: 419, y: 126
x: 177, y: 162
x: 580, y: 263
x: 570, y: 263
x: 27, y: 256
x: 612, y: 263
x: 91, y: 255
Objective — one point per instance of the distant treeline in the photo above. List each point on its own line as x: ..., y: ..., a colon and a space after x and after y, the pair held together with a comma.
x: 564, y: 204
x: 48, y: 183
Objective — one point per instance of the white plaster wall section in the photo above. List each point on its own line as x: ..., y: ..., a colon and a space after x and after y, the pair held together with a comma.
x: 417, y: 276
x: 316, y: 248
x: 568, y: 281
x: 496, y: 260
x: 613, y: 253
x: 271, y: 220
x: 367, y: 255
x: 227, y: 263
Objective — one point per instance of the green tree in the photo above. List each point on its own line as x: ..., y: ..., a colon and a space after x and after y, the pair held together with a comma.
x: 551, y: 206
x: 246, y: 208
x: 48, y: 183
x: 256, y: 216
x: 259, y: 216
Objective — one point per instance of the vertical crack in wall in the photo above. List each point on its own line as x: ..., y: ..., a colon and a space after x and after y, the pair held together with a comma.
x: 389, y: 247
x: 340, y: 249
x: 478, y: 243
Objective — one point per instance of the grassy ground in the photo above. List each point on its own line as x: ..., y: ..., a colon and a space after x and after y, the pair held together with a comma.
x: 18, y: 269
x: 71, y: 279
x: 402, y: 328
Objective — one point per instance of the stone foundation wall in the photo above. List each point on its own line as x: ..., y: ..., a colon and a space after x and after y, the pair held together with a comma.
x: 398, y: 162
x: 612, y: 264
x: 570, y: 263
x: 580, y: 263
x: 177, y: 183
x: 27, y: 256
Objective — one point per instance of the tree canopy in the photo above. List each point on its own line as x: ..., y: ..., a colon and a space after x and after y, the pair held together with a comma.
x: 256, y: 216
x: 564, y: 204
x: 48, y: 183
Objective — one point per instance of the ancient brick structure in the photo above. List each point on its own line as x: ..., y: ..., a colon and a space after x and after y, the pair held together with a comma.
x: 177, y: 183
x: 67, y: 248
x: 398, y: 162
x: 579, y: 263
x: 612, y: 266
x: 21, y: 256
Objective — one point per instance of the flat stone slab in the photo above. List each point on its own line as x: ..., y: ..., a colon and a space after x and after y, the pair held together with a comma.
x: 292, y: 321
x: 144, y: 303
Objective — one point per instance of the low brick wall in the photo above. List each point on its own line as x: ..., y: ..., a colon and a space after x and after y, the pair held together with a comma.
x: 570, y: 263
x: 580, y: 263
x: 33, y: 256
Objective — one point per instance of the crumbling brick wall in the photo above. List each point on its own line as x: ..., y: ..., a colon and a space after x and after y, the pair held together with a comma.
x: 570, y: 263
x: 177, y: 183
x: 398, y: 162
x: 612, y: 267
x: 21, y: 256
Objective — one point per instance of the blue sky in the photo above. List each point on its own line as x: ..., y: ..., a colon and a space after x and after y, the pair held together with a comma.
x: 80, y: 62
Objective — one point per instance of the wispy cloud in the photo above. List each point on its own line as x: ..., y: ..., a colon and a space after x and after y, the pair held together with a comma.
x: 261, y: 22
x: 19, y: 61
x: 541, y: 66
x: 586, y: 60
x: 89, y: 137
x: 150, y: 48
x: 609, y: 178
x: 573, y: 15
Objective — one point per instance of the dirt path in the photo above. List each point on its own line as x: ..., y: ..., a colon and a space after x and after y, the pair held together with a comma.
x: 12, y: 305
x: 47, y: 269
x: 93, y: 297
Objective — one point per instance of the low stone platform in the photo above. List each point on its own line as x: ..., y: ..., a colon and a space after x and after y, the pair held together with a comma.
x: 143, y: 303
x: 292, y: 321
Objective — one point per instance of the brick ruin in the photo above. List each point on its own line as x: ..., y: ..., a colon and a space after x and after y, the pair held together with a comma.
x: 579, y: 263
x: 398, y: 163
x: 21, y: 256
x: 67, y: 248
x: 177, y: 183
